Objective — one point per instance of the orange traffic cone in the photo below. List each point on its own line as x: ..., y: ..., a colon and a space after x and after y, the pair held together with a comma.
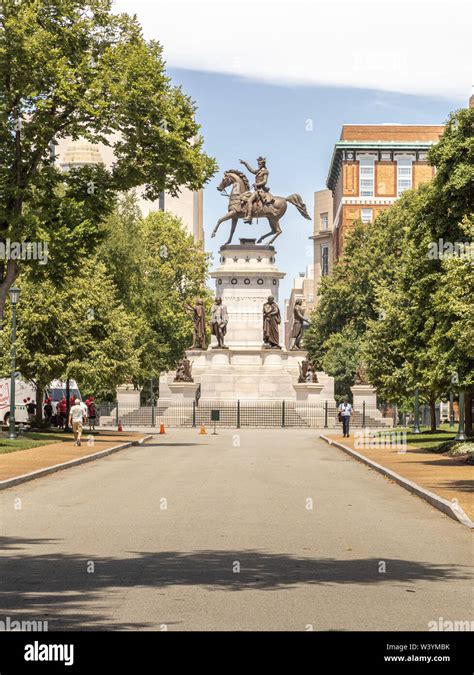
x: 162, y: 428
x: 202, y: 430
x: 120, y: 427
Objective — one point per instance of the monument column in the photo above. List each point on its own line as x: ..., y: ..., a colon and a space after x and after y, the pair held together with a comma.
x: 247, y: 274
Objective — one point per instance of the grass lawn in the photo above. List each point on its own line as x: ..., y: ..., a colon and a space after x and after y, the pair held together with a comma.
x: 429, y: 440
x: 30, y: 440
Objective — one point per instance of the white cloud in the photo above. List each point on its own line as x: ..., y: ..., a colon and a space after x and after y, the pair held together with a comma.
x: 419, y: 47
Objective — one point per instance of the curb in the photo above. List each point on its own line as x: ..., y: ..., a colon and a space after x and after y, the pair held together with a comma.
x: 11, y: 482
x: 451, y: 509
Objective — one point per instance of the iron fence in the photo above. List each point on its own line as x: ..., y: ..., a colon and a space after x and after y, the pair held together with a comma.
x: 239, y: 414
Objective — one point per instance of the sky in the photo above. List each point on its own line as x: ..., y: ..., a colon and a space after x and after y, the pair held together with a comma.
x: 279, y: 79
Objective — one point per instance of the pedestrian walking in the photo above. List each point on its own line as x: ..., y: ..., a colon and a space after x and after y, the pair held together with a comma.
x: 84, y: 408
x: 76, y: 420
x: 91, y: 412
x: 61, y: 411
x: 345, y: 413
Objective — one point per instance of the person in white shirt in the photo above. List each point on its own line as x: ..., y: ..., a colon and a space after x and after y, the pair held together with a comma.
x: 84, y: 408
x: 345, y: 412
x: 76, y: 420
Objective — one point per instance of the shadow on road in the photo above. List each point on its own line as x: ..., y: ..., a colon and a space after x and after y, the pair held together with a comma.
x: 57, y: 587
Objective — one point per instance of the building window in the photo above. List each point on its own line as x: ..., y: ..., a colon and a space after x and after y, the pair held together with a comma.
x: 366, y: 215
x: 404, y: 175
x: 366, y: 175
x: 324, y: 221
x: 324, y: 260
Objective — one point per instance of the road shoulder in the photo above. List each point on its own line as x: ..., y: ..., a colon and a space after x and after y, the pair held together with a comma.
x: 26, y: 465
x: 439, y: 480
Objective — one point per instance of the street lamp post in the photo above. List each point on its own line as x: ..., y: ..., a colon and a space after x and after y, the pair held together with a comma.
x: 451, y: 410
x: 416, y: 424
x: 461, y: 435
x: 14, y: 294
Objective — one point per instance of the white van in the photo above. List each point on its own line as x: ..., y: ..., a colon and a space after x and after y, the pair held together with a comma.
x: 25, y: 392
x: 57, y: 389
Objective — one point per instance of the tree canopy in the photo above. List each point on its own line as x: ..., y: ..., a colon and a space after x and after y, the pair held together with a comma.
x: 70, y: 68
x: 159, y: 270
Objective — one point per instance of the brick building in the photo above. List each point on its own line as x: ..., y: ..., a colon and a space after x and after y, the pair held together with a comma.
x: 371, y: 166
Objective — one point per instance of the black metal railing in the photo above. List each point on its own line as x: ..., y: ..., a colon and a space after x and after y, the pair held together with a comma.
x: 238, y: 414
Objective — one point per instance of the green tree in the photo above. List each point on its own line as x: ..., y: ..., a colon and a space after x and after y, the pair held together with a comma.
x: 159, y: 271
x: 419, y: 343
x: 348, y: 297
x: 453, y: 157
x: 77, y: 329
x: 73, y: 68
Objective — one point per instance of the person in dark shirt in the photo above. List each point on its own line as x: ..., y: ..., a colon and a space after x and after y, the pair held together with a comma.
x: 31, y: 410
x: 48, y: 410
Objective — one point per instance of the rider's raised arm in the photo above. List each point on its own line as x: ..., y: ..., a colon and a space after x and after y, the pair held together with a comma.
x: 248, y: 167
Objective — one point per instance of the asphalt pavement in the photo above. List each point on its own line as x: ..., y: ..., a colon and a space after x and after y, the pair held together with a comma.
x: 246, y: 530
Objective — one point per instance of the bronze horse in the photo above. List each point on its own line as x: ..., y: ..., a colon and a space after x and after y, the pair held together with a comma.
x: 272, y: 212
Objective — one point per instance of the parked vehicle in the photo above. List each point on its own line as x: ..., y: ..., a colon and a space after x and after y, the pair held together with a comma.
x: 57, y: 389
x: 25, y: 392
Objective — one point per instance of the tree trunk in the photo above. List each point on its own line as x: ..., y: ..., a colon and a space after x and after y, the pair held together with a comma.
x: 432, y: 404
x: 10, y: 275
x: 468, y: 413
x: 39, y: 403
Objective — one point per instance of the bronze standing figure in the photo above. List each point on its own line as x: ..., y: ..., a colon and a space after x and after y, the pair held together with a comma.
x: 199, y: 321
x: 271, y: 324
x: 219, y: 319
x: 299, y: 322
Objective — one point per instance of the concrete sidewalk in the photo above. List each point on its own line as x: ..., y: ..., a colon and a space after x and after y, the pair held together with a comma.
x: 26, y: 462
x: 449, y: 477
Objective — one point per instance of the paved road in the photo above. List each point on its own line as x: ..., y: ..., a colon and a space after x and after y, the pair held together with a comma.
x: 217, y: 532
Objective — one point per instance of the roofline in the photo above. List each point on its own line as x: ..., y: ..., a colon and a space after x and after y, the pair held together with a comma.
x: 390, y: 124
x: 378, y: 144
x: 370, y: 145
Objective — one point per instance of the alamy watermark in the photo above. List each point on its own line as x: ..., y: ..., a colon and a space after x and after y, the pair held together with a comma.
x: 439, y: 250
x: 25, y: 250
x: 24, y: 625
x: 364, y: 439
x: 442, y: 624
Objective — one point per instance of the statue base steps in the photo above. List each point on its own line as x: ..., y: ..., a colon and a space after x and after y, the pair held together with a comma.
x: 247, y: 374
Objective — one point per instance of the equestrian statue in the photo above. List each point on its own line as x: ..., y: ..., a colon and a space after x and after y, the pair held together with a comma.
x: 260, y: 203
